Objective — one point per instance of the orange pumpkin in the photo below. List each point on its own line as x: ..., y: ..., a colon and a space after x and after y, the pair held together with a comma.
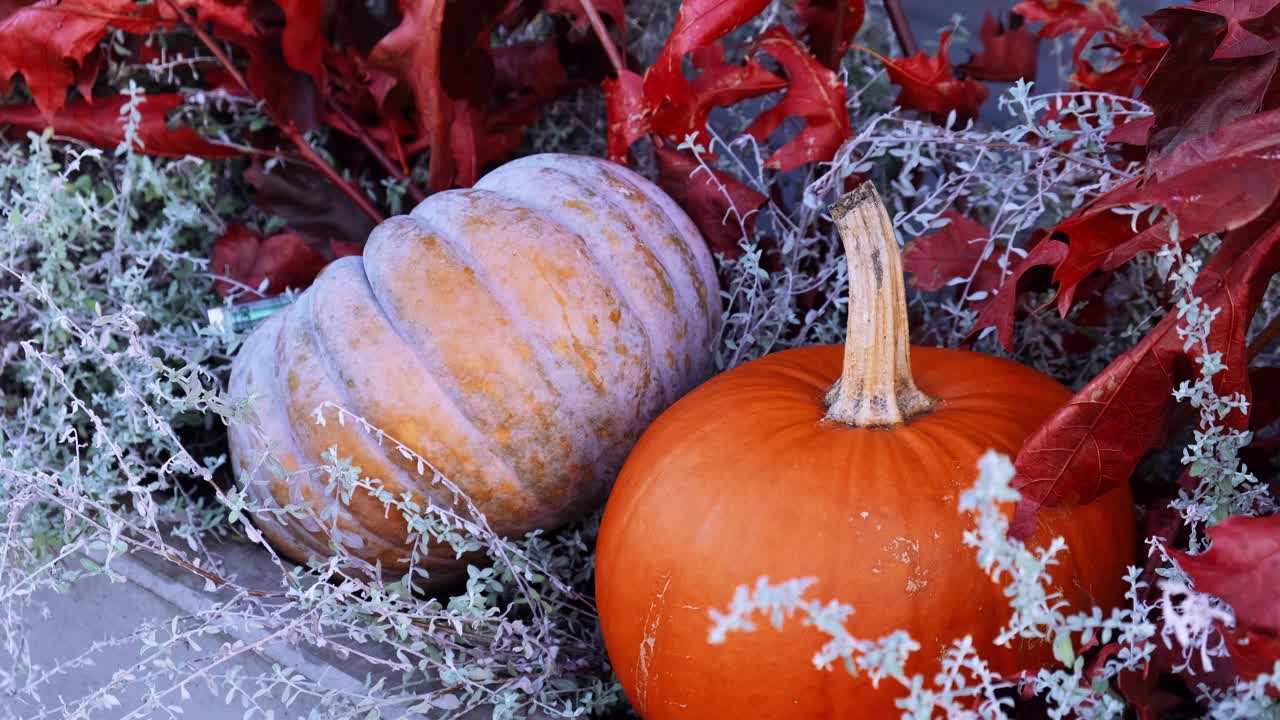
x: 518, y: 335
x: 842, y: 464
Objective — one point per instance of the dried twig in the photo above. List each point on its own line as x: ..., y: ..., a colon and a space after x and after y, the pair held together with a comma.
x: 606, y: 41
x: 901, y: 27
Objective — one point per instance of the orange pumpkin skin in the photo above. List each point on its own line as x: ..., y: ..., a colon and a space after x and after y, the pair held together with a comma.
x: 519, y: 335
x: 744, y: 477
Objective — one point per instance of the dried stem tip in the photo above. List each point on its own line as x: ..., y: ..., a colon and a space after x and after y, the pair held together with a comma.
x: 875, y: 388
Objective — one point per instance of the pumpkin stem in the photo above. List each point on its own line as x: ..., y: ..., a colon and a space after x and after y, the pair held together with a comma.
x: 876, y: 388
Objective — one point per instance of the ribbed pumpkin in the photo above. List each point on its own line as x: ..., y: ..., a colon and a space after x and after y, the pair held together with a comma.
x: 518, y: 335
x: 844, y: 464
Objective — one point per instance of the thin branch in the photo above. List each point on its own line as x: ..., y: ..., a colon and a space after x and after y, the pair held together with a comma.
x: 610, y: 49
x: 1264, y: 337
x: 295, y: 136
x: 901, y: 27
x: 377, y: 152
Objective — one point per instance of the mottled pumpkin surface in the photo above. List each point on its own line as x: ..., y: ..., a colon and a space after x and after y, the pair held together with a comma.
x: 745, y: 477
x: 519, y: 335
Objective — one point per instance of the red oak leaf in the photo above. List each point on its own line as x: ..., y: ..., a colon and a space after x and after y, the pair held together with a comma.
x: 821, y: 23
x: 1008, y: 54
x: 1243, y: 568
x: 814, y: 93
x: 1213, y: 183
x: 302, y: 39
x: 709, y: 198
x: 628, y: 116
x: 698, y: 24
x: 1239, y: 42
x: 927, y: 84
x: 1190, y: 93
x: 1092, y: 444
x: 718, y: 84
x: 959, y: 250
x: 283, y: 260
x: 50, y: 42
x: 998, y: 310
x: 1070, y: 16
x: 1137, y: 55
x: 100, y: 124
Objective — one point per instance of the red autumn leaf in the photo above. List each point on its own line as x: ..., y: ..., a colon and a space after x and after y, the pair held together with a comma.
x: 955, y: 251
x: 50, y: 43
x: 1189, y: 92
x: 1137, y: 55
x: 814, y: 93
x: 573, y: 8
x: 283, y: 260
x: 928, y: 86
x: 821, y: 22
x: 302, y: 39
x: 1132, y: 132
x: 1239, y: 42
x: 998, y: 309
x: 1244, y: 557
x: 698, y: 24
x: 1242, y: 567
x: 308, y: 203
x: 1008, y: 53
x: 1093, y: 443
x: 1211, y: 184
x: 100, y: 124
x: 709, y: 198
x: 628, y: 117
x: 718, y: 84
x: 1070, y: 16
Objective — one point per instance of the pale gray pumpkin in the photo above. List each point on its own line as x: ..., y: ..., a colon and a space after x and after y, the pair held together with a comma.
x: 518, y: 335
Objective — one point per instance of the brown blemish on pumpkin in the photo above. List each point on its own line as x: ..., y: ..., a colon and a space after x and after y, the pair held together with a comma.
x: 580, y: 206
x: 293, y: 381
x: 593, y: 326
x: 671, y: 359
x: 616, y: 316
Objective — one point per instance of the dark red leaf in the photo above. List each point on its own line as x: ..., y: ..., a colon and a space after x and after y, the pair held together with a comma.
x: 928, y: 86
x: 573, y: 8
x: 1086, y: 19
x: 628, y: 116
x: 1239, y: 42
x: 718, y: 84
x: 1132, y: 132
x: 303, y: 40
x: 1211, y: 184
x: 814, y: 93
x: 308, y: 203
x: 100, y: 124
x: 284, y: 260
x: 818, y: 21
x: 998, y: 310
x: 1092, y: 444
x: 1190, y: 93
x: 48, y: 43
x: 1137, y: 55
x: 708, y: 198
x: 1008, y: 53
x: 955, y: 251
x: 1242, y: 566
x: 698, y: 24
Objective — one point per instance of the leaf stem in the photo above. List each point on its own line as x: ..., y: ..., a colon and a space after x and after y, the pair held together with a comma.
x: 610, y: 49
x: 378, y: 153
x: 295, y: 136
x: 901, y: 27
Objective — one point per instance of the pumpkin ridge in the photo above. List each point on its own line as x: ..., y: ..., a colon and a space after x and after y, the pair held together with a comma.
x: 689, y: 296
x: 538, y: 342
x: 403, y: 468
x: 437, y: 370
x: 705, y: 280
x: 621, y: 290
x: 307, y: 325
x: 294, y: 528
